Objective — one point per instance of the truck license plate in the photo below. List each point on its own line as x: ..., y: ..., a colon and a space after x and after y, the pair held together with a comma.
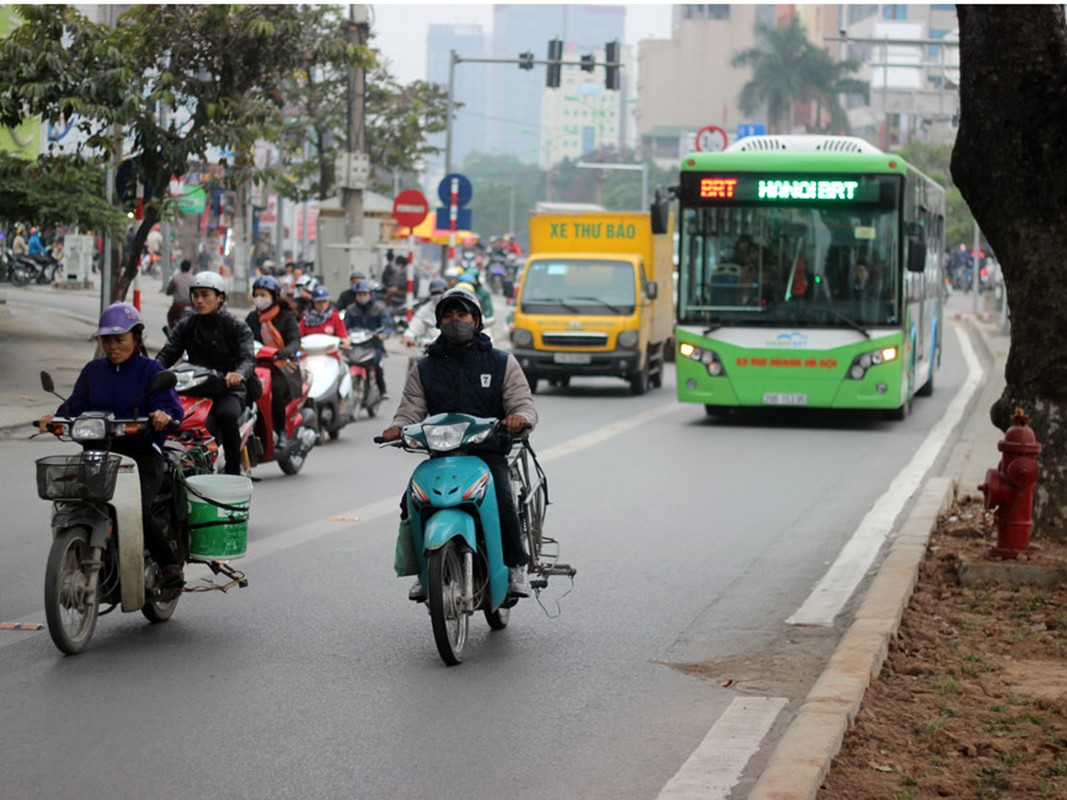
x: 784, y: 399
x: 572, y: 358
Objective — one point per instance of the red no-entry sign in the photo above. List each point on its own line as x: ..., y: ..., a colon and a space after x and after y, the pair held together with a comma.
x: 410, y: 207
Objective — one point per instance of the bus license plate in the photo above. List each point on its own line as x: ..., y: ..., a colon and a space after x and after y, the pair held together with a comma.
x: 572, y: 358
x: 784, y: 399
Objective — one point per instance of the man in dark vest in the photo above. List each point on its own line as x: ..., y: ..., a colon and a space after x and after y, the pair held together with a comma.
x: 463, y: 373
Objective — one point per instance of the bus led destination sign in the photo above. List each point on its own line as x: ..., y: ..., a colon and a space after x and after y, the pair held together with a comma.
x: 707, y: 189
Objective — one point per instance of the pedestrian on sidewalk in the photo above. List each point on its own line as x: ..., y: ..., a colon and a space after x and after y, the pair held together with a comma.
x: 179, y: 286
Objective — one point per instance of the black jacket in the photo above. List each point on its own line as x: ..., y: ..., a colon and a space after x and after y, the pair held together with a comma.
x: 286, y: 323
x: 219, y: 341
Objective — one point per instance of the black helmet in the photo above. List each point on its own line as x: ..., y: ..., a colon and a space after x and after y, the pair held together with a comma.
x: 462, y: 298
x: 269, y: 283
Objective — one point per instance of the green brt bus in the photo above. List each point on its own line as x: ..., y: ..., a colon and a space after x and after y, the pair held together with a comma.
x: 809, y: 274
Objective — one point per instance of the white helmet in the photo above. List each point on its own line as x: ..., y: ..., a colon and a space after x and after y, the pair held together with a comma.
x: 208, y: 280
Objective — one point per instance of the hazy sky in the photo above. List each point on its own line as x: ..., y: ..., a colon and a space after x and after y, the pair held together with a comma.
x: 400, y: 28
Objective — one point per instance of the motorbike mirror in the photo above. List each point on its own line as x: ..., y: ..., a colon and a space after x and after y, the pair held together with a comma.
x: 162, y: 381
x: 47, y: 383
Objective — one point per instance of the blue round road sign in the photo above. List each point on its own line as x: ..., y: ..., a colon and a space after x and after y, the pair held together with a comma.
x: 463, y: 195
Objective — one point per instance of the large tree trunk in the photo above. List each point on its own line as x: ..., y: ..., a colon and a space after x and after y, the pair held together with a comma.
x: 1010, y: 163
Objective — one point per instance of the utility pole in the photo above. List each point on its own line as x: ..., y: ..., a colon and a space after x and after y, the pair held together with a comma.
x: 355, y: 167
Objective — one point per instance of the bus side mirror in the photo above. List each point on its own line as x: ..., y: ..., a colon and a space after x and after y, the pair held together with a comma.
x: 916, y: 255
x: 651, y: 290
x: 660, y: 211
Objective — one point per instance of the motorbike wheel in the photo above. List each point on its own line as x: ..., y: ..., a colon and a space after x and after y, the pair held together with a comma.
x: 450, y: 622
x: 159, y: 610
x: 71, y: 614
x: 20, y: 276
x: 498, y: 620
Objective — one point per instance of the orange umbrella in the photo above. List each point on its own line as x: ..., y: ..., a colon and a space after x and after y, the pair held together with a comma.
x: 426, y: 232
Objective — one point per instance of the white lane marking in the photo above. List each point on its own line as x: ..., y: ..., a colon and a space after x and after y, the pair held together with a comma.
x: 840, y: 581
x: 716, y: 765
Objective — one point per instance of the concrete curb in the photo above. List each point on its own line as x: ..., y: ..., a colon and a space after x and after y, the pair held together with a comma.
x: 804, y: 754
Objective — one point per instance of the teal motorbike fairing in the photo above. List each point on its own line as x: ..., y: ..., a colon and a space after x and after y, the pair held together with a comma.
x: 452, y: 496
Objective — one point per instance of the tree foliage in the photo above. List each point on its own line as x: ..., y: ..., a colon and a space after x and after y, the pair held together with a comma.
x: 218, y: 71
x: 787, y: 68
x: 66, y: 190
x: 1008, y: 160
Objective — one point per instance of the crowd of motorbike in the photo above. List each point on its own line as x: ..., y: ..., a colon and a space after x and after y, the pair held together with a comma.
x: 98, y: 559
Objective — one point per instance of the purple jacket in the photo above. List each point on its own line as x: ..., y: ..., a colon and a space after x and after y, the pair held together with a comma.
x: 120, y: 389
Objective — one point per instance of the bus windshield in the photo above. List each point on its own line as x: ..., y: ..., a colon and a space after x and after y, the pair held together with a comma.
x: 792, y: 262
x: 564, y: 286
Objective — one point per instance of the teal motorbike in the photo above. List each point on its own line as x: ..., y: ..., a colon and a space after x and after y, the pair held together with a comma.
x: 455, y: 525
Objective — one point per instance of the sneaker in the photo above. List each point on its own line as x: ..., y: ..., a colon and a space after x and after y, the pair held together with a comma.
x: 517, y: 584
x: 416, y: 592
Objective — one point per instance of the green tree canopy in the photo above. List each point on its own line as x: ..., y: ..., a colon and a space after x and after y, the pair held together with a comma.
x: 218, y: 71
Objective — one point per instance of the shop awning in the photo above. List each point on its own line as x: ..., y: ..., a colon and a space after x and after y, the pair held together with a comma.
x: 426, y: 232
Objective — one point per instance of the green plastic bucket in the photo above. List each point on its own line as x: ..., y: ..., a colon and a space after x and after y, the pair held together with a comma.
x: 218, y: 516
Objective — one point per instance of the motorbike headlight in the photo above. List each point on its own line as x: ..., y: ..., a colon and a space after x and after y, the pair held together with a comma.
x: 628, y: 338
x: 444, y: 437
x: 522, y: 337
x: 91, y: 429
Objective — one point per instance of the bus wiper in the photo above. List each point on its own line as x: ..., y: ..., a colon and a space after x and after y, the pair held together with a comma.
x: 551, y: 301
x: 604, y: 303
x: 849, y: 321
x: 712, y: 327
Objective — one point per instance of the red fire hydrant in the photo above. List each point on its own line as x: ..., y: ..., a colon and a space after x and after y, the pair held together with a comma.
x: 1010, y: 488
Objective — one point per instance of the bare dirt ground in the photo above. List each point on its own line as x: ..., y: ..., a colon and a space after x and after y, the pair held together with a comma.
x: 972, y: 698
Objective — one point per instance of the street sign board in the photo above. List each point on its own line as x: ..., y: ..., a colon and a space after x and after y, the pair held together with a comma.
x: 464, y: 219
x: 410, y: 207
x: 465, y: 190
x: 710, y: 139
x: 751, y: 129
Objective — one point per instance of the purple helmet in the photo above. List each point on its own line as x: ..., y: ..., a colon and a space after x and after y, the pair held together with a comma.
x: 118, y: 318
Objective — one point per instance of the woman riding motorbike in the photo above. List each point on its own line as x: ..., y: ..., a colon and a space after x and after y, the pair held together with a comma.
x: 322, y: 317
x: 212, y: 337
x: 118, y: 383
x: 274, y: 324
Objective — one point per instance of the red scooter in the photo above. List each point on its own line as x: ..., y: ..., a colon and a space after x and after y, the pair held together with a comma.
x: 197, y: 386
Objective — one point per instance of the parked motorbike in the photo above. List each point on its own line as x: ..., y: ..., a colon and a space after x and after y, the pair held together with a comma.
x: 98, y: 555
x: 26, y: 269
x: 455, y: 525
x: 330, y: 395
x: 362, y: 362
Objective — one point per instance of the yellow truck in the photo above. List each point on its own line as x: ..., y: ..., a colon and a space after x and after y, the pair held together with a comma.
x: 596, y: 298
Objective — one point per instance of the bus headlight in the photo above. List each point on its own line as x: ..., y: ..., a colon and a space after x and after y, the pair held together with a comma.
x: 860, y: 364
x: 709, y: 358
x: 522, y: 337
x: 628, y: 338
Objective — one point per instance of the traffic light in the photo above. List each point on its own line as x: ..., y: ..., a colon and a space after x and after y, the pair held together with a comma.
x: 526, y: 60
x: 555, y: 53
x: 588, y: 62
x: 611, y: 70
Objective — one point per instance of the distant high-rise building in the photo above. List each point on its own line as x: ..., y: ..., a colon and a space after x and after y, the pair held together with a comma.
x: 515, y: 116
x: 470, y: 91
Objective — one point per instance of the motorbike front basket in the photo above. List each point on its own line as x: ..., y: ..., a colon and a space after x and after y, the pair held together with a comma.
x: 78, y: 477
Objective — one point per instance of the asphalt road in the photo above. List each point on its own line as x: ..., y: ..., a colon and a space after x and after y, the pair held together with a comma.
x: 694, y: 540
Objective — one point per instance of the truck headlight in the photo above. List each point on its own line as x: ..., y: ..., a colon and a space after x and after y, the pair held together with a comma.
x: 628, y: 338
x: 522, y: 337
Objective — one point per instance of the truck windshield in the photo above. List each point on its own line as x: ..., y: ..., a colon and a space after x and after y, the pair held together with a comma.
x: 784, y: 264
x: 559, y: 286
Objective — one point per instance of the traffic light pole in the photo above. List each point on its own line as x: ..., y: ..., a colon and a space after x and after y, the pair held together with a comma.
x: 524, y: 63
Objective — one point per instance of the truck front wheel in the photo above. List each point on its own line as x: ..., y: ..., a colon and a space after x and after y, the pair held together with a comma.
x: 639, y: 380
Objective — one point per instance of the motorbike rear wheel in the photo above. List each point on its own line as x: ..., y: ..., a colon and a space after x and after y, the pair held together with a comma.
x: 71, y: 613
x: 498, y: 620
x: 450, y: 621
x: 20, y: 275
